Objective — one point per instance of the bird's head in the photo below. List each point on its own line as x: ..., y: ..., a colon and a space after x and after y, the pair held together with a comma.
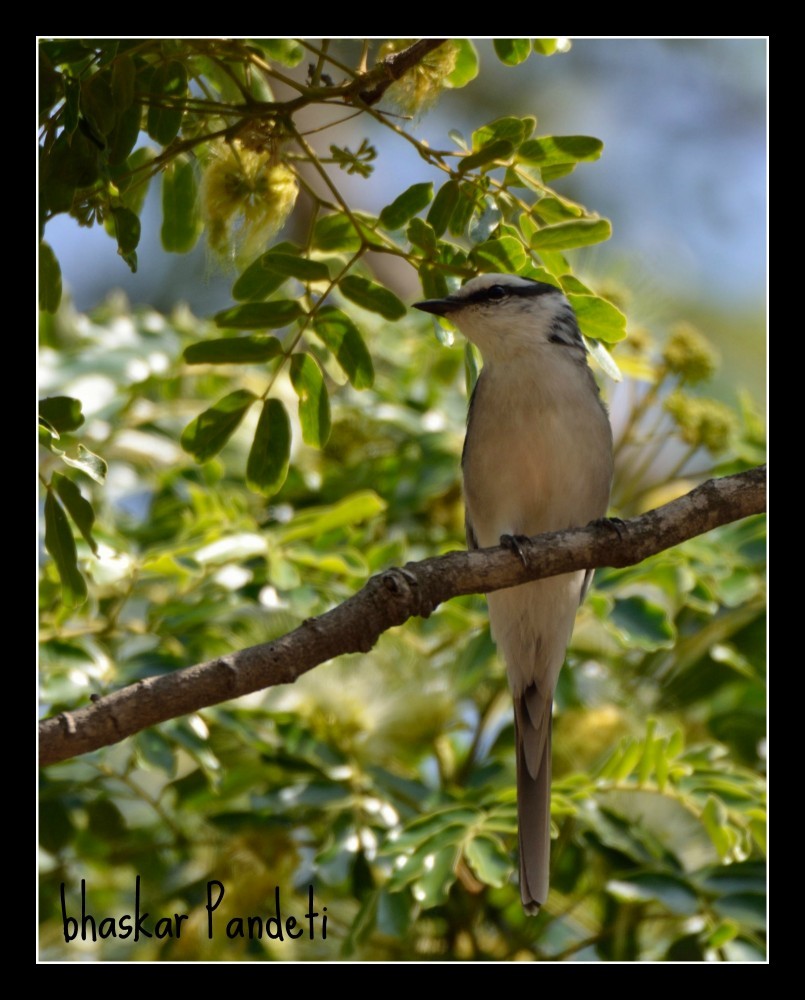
x: 506, y: 316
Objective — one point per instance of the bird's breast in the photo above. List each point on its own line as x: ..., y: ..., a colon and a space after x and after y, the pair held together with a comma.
x: 538, y: 450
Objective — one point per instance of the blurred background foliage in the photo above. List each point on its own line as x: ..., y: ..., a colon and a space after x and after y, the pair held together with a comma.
x: 386, y: 781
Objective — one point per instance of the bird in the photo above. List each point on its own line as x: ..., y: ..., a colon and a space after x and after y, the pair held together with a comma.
x: 537, y: 457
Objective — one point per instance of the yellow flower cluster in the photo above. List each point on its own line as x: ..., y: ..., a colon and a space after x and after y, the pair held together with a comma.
x: 246, y: 197
x: 422, y: 84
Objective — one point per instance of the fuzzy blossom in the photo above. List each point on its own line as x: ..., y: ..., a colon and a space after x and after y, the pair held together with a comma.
x: 705, y: 423
x: 688, y: 355
x: 246, y: 197
x: 421, y: 85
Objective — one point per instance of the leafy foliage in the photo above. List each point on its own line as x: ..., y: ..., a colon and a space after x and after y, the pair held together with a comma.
x: 387, y: 782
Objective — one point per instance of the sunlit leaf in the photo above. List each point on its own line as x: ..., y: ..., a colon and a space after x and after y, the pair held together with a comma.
x: 466, y: 68
x: 512, y: 51
x: 567, y: 235
x: 490, y: 862
x: 598, y: 318
x: 550, y: 150
x: 314, y: 403
x: 181, y: 219
x: 510, y: 128
x: 500, y: 149
x: 506, y: 255
x: 49, y: 279
x: 88, y: 462
x: 316, y: 521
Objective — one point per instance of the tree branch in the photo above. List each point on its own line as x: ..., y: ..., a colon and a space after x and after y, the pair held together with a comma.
x: 389, y: 599
x: 371, y: 86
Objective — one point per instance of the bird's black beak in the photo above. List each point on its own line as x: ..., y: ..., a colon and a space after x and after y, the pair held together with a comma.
x: 439, y: 307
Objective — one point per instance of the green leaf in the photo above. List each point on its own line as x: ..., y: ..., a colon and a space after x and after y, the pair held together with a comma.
x: 714, y: 817
x: 550, y: 150
x: 51, y: 84
x: 434, y: 283
x: 127, y: 231
x: 468, y: 201
x: 748, y: 908
x: 97, y: 102
x: 674, y: 893
x: 168, y: 93
x: 421, y: 234
x: 506, y: 254
x: 466, y: 68
x: 135, y: 180
x: 270, y: 453
x: 88, y: 462
x: 557, y: 210
x: 49, y: 279
x: 313, y: 522
x: 443, y: 205
x: 287, y: 265
x: 260, y: 315
x: 72, y: 104
x: 512, y: 51
x: 62, y: 413
x: 335, y: 233
x: 181, y: 219
x: 643, y: 623
x: 124, y: 135
x: 60, y: 544
x: 283, y: 50
x: 233, y: 350
x: 208, y: 433
x: 105, y: 820
x: 545, y: 46
x: 343, y: 339
x: 598, y: 318
x: 488, y: 860
x: 314, y: 403
x: 500, y: 149
x: 567, y: 235
x: 261, y: 278
x: 122, y: 86
x: 79, y: 509
x: 369, y: 295
x: 510, y: 129
x: 406, y: 206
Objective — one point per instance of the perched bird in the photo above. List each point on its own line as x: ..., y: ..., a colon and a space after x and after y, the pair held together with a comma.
x: 537, y: 457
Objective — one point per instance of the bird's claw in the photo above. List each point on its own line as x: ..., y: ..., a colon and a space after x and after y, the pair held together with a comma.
x: 616, y: 524
x: 514, y: 543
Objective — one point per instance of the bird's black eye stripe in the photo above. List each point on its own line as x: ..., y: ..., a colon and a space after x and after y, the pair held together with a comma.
x: 494, y: 293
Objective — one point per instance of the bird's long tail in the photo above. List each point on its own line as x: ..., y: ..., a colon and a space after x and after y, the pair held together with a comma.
x: 532, y: 723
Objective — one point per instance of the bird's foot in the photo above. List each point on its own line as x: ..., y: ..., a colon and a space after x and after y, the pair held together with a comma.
x: 616, y: 524
x: 515, y: 543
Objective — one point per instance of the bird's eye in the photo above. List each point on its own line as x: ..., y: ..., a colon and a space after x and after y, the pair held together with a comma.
x: 496, y: 292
